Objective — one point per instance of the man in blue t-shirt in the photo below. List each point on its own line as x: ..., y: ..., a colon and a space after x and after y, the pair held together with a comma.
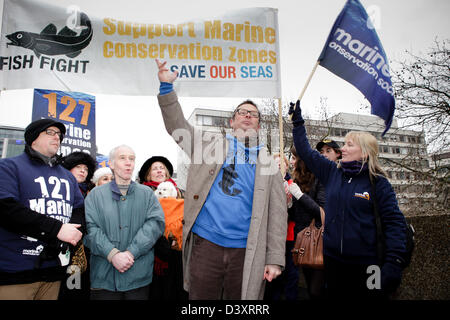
x: 235, y: 217
x: 41, y: 215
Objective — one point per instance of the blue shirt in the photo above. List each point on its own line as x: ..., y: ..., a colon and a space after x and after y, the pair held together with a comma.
x: 225, y: 217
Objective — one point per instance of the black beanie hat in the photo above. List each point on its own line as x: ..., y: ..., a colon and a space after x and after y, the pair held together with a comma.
x: 79, y: 157
x: 34, y: 129
x: 147, y: 164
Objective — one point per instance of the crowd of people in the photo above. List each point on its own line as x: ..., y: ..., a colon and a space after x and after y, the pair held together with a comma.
x: 229, y: 235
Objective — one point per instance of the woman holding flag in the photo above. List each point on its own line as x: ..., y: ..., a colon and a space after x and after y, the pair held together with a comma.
x: 353, y: 267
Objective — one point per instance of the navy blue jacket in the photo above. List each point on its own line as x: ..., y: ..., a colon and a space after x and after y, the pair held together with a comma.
x: 35, y: 200
x: 350, y: 229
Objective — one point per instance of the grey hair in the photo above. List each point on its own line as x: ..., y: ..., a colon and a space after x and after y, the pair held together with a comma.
x: 113, y: 151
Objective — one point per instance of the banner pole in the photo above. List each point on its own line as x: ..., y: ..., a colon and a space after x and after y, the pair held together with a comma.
x: 280, y: 126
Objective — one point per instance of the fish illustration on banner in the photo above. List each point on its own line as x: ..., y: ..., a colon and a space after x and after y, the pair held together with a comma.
x: 48, y: 42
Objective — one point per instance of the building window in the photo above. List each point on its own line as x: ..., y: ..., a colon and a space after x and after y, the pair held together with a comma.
x: 384, y: 149
x: 336, y: 132
x: 204, y: 120
x: 207, y: 121
x: 220, y: 122
x: 393, y: 137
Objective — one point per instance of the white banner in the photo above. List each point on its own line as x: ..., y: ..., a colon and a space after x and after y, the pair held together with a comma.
x: 65, y: 48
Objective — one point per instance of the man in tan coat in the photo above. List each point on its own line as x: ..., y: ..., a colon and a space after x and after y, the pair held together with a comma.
x: 235, y: 217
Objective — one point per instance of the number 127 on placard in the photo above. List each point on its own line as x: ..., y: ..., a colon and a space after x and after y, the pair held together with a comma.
x: 71, y: 104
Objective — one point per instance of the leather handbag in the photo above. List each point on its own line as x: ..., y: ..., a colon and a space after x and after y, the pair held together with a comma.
x: 308, y: 249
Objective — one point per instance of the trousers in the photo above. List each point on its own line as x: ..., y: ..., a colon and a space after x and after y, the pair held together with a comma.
x: 31, y: 291
x: 135, y: 294
x: 215, y: 272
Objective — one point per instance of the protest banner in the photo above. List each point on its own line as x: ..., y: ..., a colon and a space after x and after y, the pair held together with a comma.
x: 49, y: 46
x: 75, y: 110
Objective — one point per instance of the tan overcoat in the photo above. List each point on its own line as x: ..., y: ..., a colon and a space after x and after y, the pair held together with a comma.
x: 267, y: 235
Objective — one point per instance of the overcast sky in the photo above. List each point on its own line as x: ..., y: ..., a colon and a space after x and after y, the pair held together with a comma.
x: 303, y: 28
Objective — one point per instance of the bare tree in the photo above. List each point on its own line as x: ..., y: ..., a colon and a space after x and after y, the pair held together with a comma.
x: 270, y: 124
x: 422, y: 189
x: 422, y: 88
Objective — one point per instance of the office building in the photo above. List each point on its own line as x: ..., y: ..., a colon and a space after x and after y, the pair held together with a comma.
x: 403, y: 153
x: 12, y: 142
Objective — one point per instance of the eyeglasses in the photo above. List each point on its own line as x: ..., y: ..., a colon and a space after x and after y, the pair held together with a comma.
x: 244, y: 112
x: 51, y: 132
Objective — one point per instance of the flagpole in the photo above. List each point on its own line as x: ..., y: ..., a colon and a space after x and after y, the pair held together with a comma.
x: 309, y: 80
x: 307, y: 83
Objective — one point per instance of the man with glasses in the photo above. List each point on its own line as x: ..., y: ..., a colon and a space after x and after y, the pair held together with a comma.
x: 235, y: 217
x: 41, y: 214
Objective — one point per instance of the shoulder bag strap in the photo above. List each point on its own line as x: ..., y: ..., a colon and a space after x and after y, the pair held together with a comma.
x: 380, y: 241
x: 322, y: 216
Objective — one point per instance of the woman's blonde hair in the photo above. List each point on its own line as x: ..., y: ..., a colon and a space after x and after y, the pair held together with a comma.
x: 369, y: 148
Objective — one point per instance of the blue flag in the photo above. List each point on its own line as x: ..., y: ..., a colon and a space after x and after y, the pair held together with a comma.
x: 354, y: 53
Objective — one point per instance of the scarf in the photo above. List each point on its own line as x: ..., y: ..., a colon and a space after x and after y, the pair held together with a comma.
x: 84, y: 188
x: 353, y: 168
x: 50, y: 161
x: 156, y: 184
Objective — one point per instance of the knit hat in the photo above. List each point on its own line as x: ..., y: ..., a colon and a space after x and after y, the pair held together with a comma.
x: 79, y: 157
x: 100, y: 172
x: 328, y: 142
x: 34, y: 129
x: 147, y: 164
